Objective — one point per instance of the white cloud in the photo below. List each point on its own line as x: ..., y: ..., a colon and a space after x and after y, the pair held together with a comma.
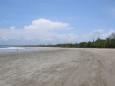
x: 96, y: 33
x: 13, y: 27
x: 45, y: 24
x: 40, y: 31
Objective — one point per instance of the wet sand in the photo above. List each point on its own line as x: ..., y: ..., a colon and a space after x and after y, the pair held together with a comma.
x: 58, y: 67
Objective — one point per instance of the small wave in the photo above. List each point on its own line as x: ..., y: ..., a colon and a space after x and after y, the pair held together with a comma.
x: 12, y: 48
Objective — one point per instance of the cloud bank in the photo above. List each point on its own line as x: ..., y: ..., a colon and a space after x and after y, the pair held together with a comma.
x: 96, y: 33
x: 44, y: 31
x: 41, y: 31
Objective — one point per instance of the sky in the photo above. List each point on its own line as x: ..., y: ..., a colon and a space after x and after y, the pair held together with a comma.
x: 55, y: 21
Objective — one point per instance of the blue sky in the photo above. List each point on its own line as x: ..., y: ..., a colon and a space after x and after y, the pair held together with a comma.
x: 79, y: 20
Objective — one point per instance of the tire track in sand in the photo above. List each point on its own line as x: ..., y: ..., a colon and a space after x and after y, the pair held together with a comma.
x: 89, y: 73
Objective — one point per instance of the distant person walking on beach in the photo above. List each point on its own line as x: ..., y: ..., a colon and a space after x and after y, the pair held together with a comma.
x: 17, y: 50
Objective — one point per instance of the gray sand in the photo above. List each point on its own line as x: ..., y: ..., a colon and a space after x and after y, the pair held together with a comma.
x: 58, y: 67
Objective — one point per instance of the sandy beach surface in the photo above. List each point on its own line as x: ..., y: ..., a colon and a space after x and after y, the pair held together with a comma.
x: 58, y: 67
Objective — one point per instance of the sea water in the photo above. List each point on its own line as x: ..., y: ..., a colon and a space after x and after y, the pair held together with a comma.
x: 17, y: 49
x: 11, y: 49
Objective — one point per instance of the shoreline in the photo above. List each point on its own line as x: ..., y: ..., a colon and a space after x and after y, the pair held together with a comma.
x: 28, y: 50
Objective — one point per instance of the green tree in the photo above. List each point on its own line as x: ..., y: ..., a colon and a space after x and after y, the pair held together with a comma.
x: 112, y: 43
x: 107, y: 43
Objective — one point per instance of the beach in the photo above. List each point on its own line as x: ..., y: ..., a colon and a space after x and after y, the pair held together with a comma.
x: 58, y: 67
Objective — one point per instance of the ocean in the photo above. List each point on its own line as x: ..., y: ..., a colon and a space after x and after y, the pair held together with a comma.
x: 11, y: 49
x: 17, y: 49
